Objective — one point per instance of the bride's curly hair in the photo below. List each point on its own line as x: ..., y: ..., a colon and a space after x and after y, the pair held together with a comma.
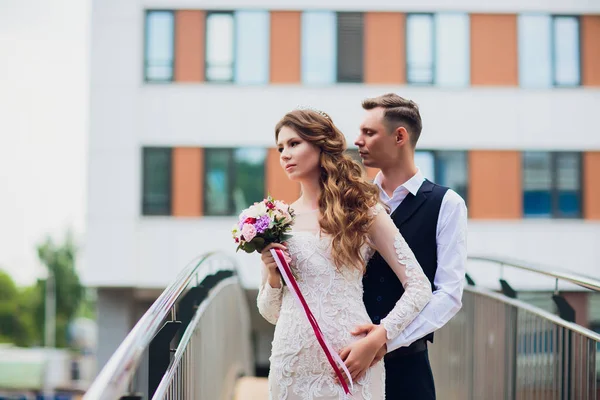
x: 346, y: 194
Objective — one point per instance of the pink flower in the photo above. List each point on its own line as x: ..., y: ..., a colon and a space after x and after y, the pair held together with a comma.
x: 248, y: 232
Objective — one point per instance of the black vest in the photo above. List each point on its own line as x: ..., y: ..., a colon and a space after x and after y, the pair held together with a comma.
x: 416, y: 218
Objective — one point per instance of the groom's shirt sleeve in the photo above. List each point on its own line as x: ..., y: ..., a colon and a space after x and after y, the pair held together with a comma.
x: 449, y: 277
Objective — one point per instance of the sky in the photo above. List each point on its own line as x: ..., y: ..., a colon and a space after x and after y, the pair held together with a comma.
x: 44, y: 113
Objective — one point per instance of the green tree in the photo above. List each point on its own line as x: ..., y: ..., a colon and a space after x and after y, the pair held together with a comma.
x: 29, y: 298
x: 60, y: 262
x: 16, y: 324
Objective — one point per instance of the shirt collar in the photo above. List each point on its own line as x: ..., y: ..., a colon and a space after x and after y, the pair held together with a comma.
x: 412, y: 185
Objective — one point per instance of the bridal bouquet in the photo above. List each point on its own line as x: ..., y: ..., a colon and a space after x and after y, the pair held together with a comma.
x: 269, y: 221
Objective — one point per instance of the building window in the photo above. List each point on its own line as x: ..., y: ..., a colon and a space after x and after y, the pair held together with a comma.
x: 319, y: 47
x: 159, y: 54
x: 420, y: 48
x: 219, y: 47
x: 452, y: 50
x: 451, y: 171
x: 438, y: 49
x: 548, y: 51
x: 565, y: 30
x: 551, y: 184
x: 156, y: 190
x: 252, y: 47
x: 446, y: 168
x: 425, y: 161
x: 535, y: 51
x: 235, y: 178
x: 349, y: 47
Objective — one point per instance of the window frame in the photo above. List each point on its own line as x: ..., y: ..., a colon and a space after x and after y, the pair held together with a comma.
x: 303, y: 71
x: 233, y: 47
x: 144, y: 206
x: 338, y: 75
x: 231, y: 180
x: 235, y: 63
x: 553, y: 55
x: 436, y: 157
x: 523, y: 82
x: 555, y: 212
x: 147, y: 12
x: 433, y: 45
x: 353, y: 152
x: 230, y: 177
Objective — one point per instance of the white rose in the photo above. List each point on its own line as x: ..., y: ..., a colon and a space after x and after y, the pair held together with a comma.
x: 287, y: 218
x: 252, y: 212
x: 283, y: 207
x: 263, y: 209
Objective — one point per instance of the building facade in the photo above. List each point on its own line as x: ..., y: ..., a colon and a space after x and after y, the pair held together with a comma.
x: 185, y: 96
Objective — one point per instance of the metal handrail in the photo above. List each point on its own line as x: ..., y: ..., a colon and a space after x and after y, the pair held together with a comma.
x: 164, y: 386
x: 556, y: 273
x: 503, y: 348
x: 535, y: 311
x: 118, y: 372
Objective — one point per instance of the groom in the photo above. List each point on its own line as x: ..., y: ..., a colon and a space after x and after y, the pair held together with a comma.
x: 433, y: 220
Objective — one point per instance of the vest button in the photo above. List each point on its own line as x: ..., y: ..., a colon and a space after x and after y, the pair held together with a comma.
x: 382, y: 279
x: 379, y: 298
x: 376, y: 319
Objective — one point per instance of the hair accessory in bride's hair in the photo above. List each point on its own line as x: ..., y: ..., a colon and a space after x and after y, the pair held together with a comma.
x: 308, y: 108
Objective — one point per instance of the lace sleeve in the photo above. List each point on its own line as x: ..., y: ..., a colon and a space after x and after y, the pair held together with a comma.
x: 269, y: 300
x: 388, y: 241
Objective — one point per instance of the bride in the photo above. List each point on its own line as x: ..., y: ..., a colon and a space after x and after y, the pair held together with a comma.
x: 339, y: 224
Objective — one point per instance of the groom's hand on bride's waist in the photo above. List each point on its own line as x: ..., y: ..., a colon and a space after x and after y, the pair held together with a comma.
x: 365, y: 352
x: 367, y: 329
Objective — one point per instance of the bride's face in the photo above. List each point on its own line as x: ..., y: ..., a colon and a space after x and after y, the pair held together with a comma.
x: 298, y: 158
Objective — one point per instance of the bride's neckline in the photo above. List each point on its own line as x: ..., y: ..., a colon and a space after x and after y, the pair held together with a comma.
x: 315, y: 234
x: 306, y: 212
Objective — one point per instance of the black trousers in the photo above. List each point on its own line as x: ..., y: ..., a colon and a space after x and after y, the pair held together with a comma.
x: 409, y: 377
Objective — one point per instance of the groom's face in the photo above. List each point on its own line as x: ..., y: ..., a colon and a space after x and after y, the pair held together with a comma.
x: 376, y: 146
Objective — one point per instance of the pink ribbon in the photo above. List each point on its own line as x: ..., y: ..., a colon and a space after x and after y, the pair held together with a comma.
x: 332, y: 356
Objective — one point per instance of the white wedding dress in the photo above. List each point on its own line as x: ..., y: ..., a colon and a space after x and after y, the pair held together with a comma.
x: 299, y: 369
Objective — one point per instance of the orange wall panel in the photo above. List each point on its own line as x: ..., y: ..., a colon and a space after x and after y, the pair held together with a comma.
x: 285, y: 47
x: 385, y: 49
x: 590, y: 50
x: 187, y: 178
x: 189, y: 46
x: 277, y: 183
x: 494, y: 52
x: 495, y: 185
x: 591, y: 185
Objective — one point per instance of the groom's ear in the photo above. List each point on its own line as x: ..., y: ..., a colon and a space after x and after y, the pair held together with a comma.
x: 401, y: 135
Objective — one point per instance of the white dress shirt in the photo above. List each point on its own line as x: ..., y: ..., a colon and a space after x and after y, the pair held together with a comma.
x: 451, y: 238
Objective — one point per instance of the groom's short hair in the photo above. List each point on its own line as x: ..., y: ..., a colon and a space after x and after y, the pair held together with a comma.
x: 398, y: 111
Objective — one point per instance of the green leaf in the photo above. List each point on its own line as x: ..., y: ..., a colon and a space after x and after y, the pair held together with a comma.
x: 250, y: 248
x: 259, y: 244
